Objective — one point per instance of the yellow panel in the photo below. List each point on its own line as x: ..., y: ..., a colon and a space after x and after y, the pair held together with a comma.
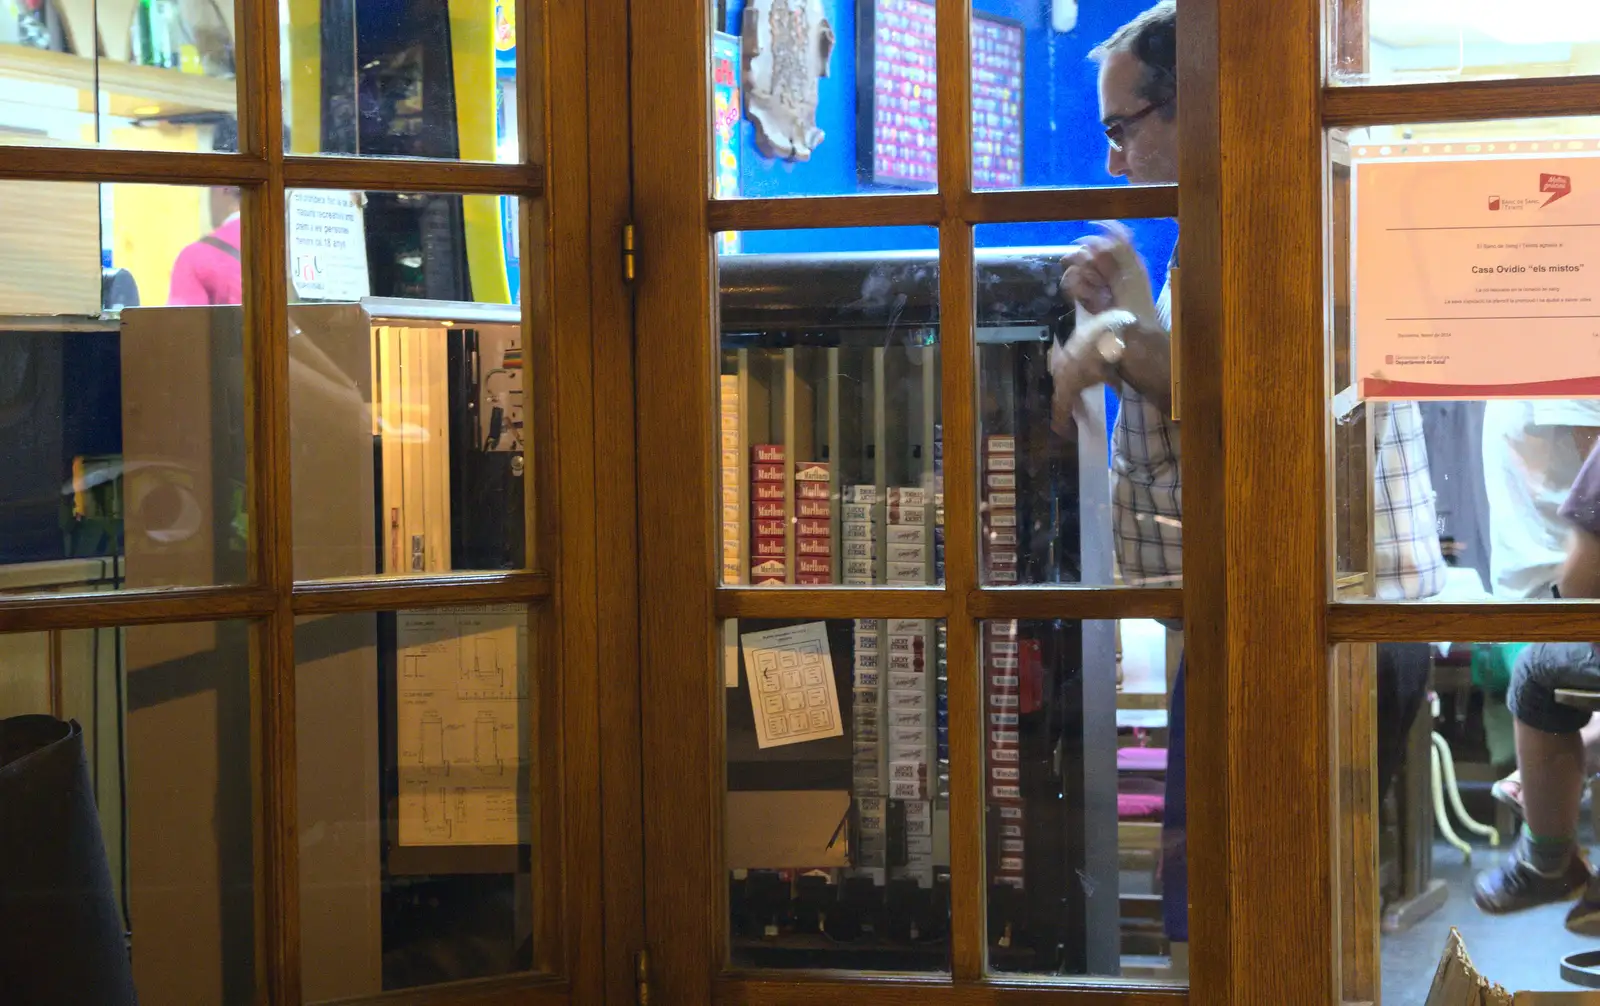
x: 472, y: 59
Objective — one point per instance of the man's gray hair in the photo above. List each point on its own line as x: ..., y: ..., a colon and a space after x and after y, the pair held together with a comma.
x: 1152, y: 39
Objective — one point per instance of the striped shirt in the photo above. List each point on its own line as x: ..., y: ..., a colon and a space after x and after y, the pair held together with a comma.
x: 1147, y: 496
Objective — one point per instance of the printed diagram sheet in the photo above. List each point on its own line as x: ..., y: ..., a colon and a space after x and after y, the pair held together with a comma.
x: 461, y: 699
x: 791, y: 685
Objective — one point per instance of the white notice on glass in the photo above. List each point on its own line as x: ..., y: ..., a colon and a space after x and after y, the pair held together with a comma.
x: 327, y: 245
x: 791, y: 685
x: 461, y: 690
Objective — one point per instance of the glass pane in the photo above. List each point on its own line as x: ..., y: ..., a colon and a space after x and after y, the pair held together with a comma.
x: 1464, y: 774
x: 1051, y: 510
x: 416, y: 782
x: 148, y: 731
x: 838, y: 824
x: 832, y: 463
x: 1416, y: 41
x: 865, y: 119
x: 407, y: 384
x: 426, y: 80
x: 1049, y: 79
x: 147, y: 75
x: 1084, y: 821
x: 122, y: 427
x: 1455, y: 448
x: 813, y: 99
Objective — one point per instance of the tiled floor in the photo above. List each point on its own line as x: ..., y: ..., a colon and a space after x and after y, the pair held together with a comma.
x: 1522, y: 952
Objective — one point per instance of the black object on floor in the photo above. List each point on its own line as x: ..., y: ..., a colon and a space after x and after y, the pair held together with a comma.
x: 61, y: 937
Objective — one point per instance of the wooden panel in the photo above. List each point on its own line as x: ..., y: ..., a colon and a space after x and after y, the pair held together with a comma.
x: 142, y: 607
x: 377, y: 594
x: 1253, y: 494
x: 50, y: 259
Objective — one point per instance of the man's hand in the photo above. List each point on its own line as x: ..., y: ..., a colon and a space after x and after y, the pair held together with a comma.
x: 1104, y: 272
x: 1074, y: 369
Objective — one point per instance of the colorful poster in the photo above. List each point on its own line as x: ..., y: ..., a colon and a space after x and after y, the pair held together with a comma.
x: 905, y: 118
x: 1475, y: 270
x: 725, y: 117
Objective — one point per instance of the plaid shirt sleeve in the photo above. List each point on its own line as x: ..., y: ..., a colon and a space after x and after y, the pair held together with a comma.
x: 1408, y: 563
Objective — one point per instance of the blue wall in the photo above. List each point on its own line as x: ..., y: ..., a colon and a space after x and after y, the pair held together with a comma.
x: 1062, y: 139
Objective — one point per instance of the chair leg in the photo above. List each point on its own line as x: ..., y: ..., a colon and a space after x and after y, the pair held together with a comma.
x: 1440, y: 818
x: 1453, y: 791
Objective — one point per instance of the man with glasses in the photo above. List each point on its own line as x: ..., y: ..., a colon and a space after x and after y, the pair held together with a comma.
x: 1123, y: 337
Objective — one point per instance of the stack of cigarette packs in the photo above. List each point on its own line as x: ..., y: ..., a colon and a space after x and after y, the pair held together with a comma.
x: 813, y: 526
x: 732, y: 512
x: 912, y: 723
x: 1003, y: 773
x: 858, y: 534
x: 769, y: 516
x: 866, y: 736
x: 908, y: 536
x: 999, y: 506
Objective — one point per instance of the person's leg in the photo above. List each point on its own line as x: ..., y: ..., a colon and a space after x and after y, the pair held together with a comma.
x: 1402, y: 680
x: 1545, y: 865
x: 1174, y: 822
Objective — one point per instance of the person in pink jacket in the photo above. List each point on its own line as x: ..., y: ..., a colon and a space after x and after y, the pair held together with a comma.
x: 208, y: 271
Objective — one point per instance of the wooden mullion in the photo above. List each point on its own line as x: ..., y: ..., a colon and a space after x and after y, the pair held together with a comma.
x: 1076, y: 602
x: 783, y: 990
x: 957, y: 362
x: 1254, y: 412
x: 680, y: 683
x: 378, y: 594
x: 513, y: 990
x: 1119, y: 202
x: 617, y: 518
x: 1460, y: 101
x: 271, y: 553
x: 413, y: 174
x: 40, y: 612
x: 153, y: 167
x: 1483, y: 622
x: 833, y: 602
x: 823, y: 211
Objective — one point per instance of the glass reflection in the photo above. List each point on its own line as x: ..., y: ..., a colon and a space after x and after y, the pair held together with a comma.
x: 837, y: 831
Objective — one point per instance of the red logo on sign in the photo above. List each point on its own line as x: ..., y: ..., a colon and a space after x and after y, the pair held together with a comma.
x: 1494, y: 202
x: 1557, y: 185
x: 1389, y: 360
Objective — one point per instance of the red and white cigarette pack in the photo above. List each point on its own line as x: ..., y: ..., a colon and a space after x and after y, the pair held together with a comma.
x: 769, y: 514
x: 813, y: 528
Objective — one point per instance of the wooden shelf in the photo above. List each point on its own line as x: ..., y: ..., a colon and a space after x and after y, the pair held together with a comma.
x: 133, y: 90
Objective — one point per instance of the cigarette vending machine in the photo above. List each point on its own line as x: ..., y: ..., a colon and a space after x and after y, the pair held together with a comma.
x: 832, y: 473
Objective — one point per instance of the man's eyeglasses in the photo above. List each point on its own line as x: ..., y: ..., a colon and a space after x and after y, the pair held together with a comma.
x: 1117, y: 128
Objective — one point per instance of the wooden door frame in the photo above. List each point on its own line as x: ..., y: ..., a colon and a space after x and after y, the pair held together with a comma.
x: 1261, y: 889
x: 577, y: 330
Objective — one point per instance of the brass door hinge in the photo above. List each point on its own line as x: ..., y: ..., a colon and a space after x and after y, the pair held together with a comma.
x: 629, y: 254
x: 641, y: 975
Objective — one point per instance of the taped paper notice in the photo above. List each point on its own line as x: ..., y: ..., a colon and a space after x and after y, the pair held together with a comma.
x: 461, y: 694
x: 791, y: 685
